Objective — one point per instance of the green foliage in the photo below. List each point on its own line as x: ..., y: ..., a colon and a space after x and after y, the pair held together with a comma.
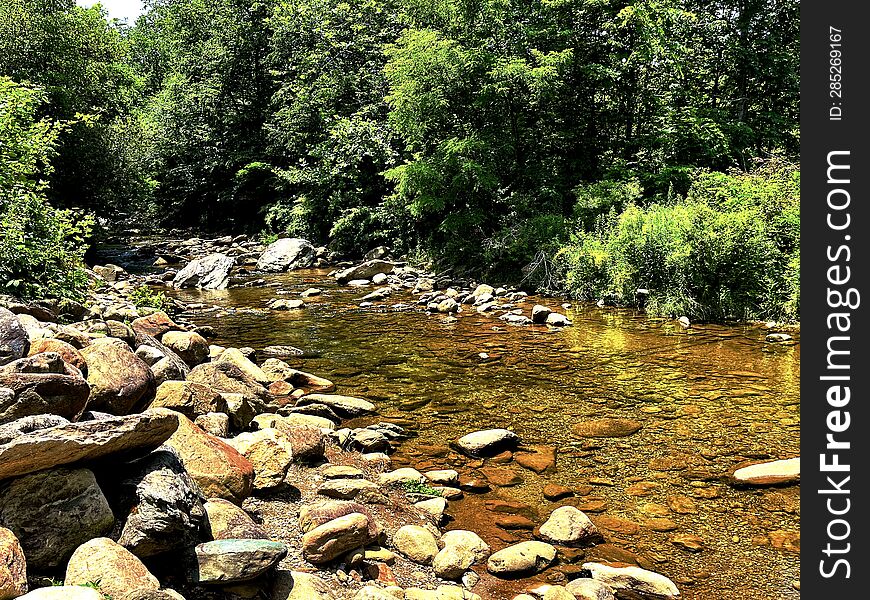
x: 729, y: 250
x: 415, y: 487
x: 144, y: 296
x: 41, y: 248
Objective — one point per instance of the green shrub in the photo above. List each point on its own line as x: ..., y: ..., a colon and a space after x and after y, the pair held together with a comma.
x: 415, y: 487
x: 729, y: 250
x: 41, y: 248
x: 144, y: 296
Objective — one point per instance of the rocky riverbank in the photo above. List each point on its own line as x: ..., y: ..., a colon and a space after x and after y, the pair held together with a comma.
x: 182, y: 468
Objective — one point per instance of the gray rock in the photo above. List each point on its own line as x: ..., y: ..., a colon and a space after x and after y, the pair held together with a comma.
x: 10, y: 431
x: 14, y: 342
x: 364, y: 271
x: 230, y: 561
x: 211, y: 272
x: 589, y: 589
x: 643, y: 583
x: 345, y: 489
x: 286, y: 254
x: 163, y: 504
x: 521, y: 559
x: 488, y: 442
x: 53, y: 512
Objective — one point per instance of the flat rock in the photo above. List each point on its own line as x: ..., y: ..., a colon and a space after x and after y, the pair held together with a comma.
x: 52, y: 512
x: 230, y: 561
x: 777, y: 472
x: 524, y: 558
x: 364, y: 271
x: 88, y: 440
x: 646, y: 584
x: 113, y: 567
x: 541, y: 460
x: 345, y: 489
x: 216, y: 467
x: 606, y: 427
x: 487, y: 443
x: 344, y: 406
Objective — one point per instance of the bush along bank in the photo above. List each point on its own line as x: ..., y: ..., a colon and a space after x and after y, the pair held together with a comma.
x: 188, y: 470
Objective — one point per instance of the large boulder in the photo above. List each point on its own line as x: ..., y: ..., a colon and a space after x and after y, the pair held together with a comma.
x: 235, y: 357
x: 189, y: 345
x: 524, y: 558
x: 14, y: 342
x: 216, y: 467
x: 155, y: 325
x: 120, y: 381
x: 67, y: 352
x: 366, y: 270
x: 327, y: 542
x: 189, y: 398
x: 228, y: 378
x: 270, y: 453
x: 52, y: 512
x: 633, y: 580
x: 88, y: 440
x: 114, y: 568
x: 210, y: 272
x: 162, y: 503
x: 568, y: 526
x: 41, y: 384
x: 286, y: 254
x: 231, y: 561
x: 13, y: 567
x: 487, y: 442
x: 226, y: 521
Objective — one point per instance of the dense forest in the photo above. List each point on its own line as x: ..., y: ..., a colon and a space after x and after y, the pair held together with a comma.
x: 593, y: 147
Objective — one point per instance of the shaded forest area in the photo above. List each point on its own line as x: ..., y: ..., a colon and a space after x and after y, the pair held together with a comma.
x: 593, y: 147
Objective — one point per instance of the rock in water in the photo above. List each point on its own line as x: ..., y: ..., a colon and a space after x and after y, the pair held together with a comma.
x: 364, y: 271
x: 14, y: 343
x: 286, y: 254
x: 606, y: 427
x: 41, y: 384
x: 211, y: 272
x: 568, y: 526
x: 13, y: 568
x: 641, y: 582
x: 777, y: 472
x: 230, y: 561
x: 52, y: 512
x: 344, y: 406
x: 523, y: 558
x: 216, y: 467
x: 88, y: 440
x: 119, y: 379
x: 487, y: 443
x: 111, y: 566
x: 163, y: 504
x: 540, y: 314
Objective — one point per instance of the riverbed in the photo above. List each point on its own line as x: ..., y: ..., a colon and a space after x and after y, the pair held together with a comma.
x: 708, y: 397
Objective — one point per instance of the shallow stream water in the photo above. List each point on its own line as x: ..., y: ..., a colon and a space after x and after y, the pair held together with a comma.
x: 708, y: 397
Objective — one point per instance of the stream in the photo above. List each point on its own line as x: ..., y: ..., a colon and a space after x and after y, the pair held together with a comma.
x: 708, y: 397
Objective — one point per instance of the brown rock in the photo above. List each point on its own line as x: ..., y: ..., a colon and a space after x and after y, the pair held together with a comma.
x: 120, y: 381
x: 226, y: 521
x: 217, y: 468
x: 641, y: 488
x: 513, y: 522
x: 682, y: 505
x: 553, y: 491
x: 502, y: 477
x: 13, y: 568
x: 270, y: 453
x: 89, y: 440
x: 155, y: 324
x: 42, y: 384
x: 189, y: 398
x: 659, y: 524
x: 115, y: 568
x: 336, y: 537
x: 688, y: 541
x: 189, y: 345
x: 786, y: 540
x: 607, y: 427
x: 66, y: 351
x: 543, y: 459
x: 617, y: 524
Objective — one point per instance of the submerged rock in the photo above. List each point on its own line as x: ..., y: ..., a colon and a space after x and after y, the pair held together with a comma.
x: 606, y: 427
